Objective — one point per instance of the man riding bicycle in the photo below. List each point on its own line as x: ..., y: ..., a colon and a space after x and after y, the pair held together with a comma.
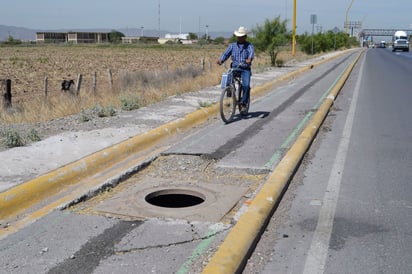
x: 242, y: 53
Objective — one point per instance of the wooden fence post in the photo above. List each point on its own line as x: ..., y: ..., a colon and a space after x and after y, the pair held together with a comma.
x: 79, y: 83
x: 202, y: 64
x: 46, y: 82
x: 6, y: 92
x: 109, y: 74
x: 94, y: 82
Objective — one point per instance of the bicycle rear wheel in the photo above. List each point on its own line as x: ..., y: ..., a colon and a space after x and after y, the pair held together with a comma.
x: 228, y: 104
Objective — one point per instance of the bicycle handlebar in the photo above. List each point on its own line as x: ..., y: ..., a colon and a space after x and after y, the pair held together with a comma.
x: 238, y: 67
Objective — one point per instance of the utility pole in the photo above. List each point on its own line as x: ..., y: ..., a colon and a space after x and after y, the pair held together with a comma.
x: 313, y: 21
x: 158, y: 22
x: 199, y: 33
x: 347, y: 12
x: 294, y: 30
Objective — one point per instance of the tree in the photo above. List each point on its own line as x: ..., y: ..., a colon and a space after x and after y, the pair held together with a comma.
x: 192, y: 36
x: 115, y: 36
x: 324, y: 42
x: 12, y: 41
x: 219, y: 40
x: 270, y: 37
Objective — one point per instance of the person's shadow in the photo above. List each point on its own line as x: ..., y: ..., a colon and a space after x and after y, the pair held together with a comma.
x: 250, y: 115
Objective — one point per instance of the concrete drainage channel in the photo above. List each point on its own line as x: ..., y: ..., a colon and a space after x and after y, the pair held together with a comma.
x: 177, y: 187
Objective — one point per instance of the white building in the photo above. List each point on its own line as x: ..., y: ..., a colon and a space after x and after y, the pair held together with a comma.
x: 183, y: 38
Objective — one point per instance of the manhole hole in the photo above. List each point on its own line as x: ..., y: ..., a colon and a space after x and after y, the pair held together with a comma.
x: 205, y: 202
x: 175, y: 198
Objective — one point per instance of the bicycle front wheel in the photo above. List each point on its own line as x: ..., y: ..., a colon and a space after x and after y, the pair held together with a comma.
x: 228, y: 104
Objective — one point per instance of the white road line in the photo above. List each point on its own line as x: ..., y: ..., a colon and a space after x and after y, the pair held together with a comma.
x: 317, y: 255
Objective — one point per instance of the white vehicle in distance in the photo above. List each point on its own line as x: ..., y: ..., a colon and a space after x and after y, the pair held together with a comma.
x: 400, y: 41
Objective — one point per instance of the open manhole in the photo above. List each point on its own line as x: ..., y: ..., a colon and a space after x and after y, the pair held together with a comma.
x: 175, y: 198
x: 194, y: 202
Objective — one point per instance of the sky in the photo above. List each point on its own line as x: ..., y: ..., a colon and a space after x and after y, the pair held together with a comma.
x: 184, y: 16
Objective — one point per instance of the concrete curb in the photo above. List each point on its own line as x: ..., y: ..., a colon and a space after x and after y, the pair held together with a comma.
x: 233, y: 253
x: 24, y: 196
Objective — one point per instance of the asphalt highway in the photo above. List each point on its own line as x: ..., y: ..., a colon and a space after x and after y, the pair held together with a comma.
x: 348, y: 209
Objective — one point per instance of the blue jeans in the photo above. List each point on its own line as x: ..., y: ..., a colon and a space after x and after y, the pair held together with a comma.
x: 246, y: 74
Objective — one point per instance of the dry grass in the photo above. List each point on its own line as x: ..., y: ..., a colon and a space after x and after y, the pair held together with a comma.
x: 141, y: 76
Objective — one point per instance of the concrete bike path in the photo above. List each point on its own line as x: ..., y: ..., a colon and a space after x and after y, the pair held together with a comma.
x: 234, y: 250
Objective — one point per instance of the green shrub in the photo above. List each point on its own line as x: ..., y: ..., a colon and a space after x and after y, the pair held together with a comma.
x: 107, y: 111
x: 33, y: 135
x: 204, y: 104
x: 84, y: 117
x: 12, y: 138
x: 130, y: 102
x: 279, y: 62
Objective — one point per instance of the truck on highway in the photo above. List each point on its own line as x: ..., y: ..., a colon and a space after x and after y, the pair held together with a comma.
x: 400, y: 41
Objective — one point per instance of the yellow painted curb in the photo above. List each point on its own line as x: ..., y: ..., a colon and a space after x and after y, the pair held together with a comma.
x: 232, y: 254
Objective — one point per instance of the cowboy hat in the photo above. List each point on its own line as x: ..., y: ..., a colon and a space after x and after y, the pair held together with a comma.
x: 242, y: 31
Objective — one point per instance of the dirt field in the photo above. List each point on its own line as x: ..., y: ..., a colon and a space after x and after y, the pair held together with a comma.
x: 28, y: 66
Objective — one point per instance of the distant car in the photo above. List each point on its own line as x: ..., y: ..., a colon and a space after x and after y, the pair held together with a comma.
x: 382, y: 44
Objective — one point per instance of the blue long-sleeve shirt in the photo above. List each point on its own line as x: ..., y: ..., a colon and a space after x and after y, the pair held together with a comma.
x: 239, y: 53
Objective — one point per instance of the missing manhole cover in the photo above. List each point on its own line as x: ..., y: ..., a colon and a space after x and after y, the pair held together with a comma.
x: 175, y: 198
x: 207, y: 202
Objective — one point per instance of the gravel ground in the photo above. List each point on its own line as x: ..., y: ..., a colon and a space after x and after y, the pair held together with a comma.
x: 71, y: 123
x: 89, y: 120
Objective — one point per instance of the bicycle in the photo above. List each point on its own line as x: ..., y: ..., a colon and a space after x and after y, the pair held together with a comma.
x: 231, y: 96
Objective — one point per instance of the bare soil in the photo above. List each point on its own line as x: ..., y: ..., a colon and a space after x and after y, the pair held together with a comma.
x: 28, y: 66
